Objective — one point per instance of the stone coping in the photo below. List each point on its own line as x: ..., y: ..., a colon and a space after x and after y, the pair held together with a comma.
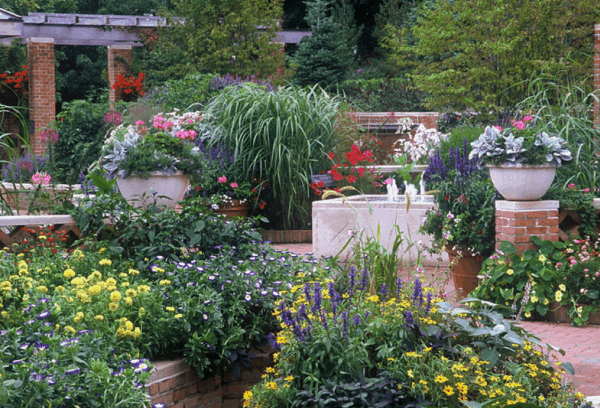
x: 527, y: 205
x: 27, y: 186
x: 35, y: 220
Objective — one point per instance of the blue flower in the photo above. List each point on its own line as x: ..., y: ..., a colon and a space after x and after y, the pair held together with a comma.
x: 73, y: 371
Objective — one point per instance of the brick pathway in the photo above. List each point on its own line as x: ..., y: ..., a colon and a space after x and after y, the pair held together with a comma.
x: 581, y: 344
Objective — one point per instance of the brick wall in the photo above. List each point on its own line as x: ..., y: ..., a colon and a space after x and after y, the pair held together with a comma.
x: 597, y: 72
x: 116, y: 67
x: 177, y: 385
x: 518, y: 221
x: 42, y: 99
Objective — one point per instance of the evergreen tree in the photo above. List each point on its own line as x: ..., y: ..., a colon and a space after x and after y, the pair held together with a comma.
x: 324, y: 58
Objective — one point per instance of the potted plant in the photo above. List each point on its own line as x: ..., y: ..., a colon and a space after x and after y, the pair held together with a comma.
x: 522, y: 159
x: 154, y: 162
x: 463, y: 224
x: 224, y: 196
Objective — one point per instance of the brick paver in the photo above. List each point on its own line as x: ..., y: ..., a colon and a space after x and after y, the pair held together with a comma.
x: 581, y: 344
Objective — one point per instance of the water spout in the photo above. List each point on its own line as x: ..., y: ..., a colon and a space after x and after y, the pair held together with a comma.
x: 392, y: 191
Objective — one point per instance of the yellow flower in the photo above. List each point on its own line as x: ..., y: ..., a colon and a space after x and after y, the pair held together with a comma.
x: 79, y: 317
x: 270, y: 370
x: 128, y: 301
x: 510, y: 272
x: 289, y: 378
x: 134, y: 272
x: 122, y: 275
x: 178, y: 316
x: 448, y: 390
x: 534, y: 299
x: 106, y: 262
x: 441, y: 379
x: 542, y: 258
x: 43, y: 289
x: 113, y: 307
x: 78, y: 281
x: 562, y: 287
x: 558, y: 296
x: 101, y: 250
x: 129, y: 325
x: 170, y: 309
x: 125, y: 284
x: 115, y: 296
x: 70, y: 329
x: 143, y: 288
x: 69, y: 273
x: 111, y: 282
x: 99, y: 318
x: 6, y: 285
x: 137, y: 332
x: 94, y: 290
x: 546, y: 301
x: 271, y: 386
x: 248, y: 395
x: 164, y: 282
x: 142, y: 311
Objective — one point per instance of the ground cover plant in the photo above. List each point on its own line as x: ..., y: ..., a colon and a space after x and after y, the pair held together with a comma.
x: 81, y: 321
x: 534, y: 282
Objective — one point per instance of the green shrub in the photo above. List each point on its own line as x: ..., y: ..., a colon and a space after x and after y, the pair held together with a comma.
x: 456, y: 139
x: 81, y: 131
x: 181, y: 94
x: 383, y: 95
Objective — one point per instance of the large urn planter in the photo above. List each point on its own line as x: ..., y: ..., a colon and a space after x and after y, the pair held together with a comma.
x: 236, y: 209
x: 520, y: 182
x: 464, y: 271
x: 167, y: 190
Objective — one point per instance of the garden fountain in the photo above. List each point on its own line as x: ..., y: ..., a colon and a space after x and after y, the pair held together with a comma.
x: 335, y: 221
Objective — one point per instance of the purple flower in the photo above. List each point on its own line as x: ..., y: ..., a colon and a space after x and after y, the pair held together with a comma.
x: 345, y: 324
x: 408, y: 318
x: 356, y: 320
x: 428, y: 304
x: 43, y: 315
x: 42, y: 347
x: 88, y: 331
x: 248, y: 297
x: 30, y: 321
x: 24, y: 346
x: 50, y: 381
x: 399, y: 283
x: 417, y: 296
x: 205, y: 316
x: 383, y: 291
x: 73, y: 371
x: 273, y: 342
x: 364, y: 279
x: 275, y: 293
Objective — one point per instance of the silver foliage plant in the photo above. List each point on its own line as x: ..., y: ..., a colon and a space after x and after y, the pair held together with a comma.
x: 492, y: 143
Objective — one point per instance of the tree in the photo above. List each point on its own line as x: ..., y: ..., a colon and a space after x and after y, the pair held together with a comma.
x: 324, y: 57
x: 223, y: 36
x: 478, y: 53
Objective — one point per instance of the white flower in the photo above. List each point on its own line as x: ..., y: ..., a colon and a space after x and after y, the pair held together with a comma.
x: 214, y: 207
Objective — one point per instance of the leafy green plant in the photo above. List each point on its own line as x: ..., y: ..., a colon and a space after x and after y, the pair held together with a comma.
x: 81, y: 131
x: 382, y: 95
x: 465, y: 215
x: 280, y: 138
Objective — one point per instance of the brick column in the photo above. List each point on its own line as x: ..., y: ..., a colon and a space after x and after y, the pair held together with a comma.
x: 518, y: 221
x: 42, y: 98
x: 597, y: 73
x: 116, y: 67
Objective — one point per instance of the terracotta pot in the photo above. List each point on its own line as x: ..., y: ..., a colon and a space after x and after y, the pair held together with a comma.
x: 520, y: 182
x: 237, y: 209
x: 169, y: 189
x: 464, y: 273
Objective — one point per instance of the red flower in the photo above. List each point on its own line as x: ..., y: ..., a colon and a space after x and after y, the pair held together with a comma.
x: 351, y: 178
x: 360, y: 171
x: 336, y: 175
x: 331, y: 155
x: 320, y: 184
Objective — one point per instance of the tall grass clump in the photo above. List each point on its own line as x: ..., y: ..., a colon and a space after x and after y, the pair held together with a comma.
x: 279, y: 138
x: 565, y: 106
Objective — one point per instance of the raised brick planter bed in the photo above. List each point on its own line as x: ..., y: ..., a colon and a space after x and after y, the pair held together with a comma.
x: 176, y: 384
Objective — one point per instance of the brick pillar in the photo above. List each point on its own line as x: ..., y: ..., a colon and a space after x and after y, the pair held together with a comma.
x: 518, y: 221
x: 597, y: 73
x: 117, y: 67
x: 42, y: 98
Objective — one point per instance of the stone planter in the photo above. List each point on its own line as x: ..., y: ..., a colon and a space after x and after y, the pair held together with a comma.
x: 464, y: 272
x: 522, y: 182
x: 237, y: 209
x: 166, y: 190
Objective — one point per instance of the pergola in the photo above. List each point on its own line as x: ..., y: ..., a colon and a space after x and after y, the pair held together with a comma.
x: 41, y: 31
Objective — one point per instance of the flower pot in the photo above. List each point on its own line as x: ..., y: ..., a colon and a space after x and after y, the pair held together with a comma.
x: 237, y: 209
x: 558, y: 313
x: 520, y: 182
x: 142, y: 191
x: 464, y: 272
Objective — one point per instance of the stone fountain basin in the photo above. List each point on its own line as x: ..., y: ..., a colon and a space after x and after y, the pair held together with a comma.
x: 334, y: 220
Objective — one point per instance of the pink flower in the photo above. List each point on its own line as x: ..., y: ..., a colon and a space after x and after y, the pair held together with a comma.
x: 498, y: 128
x: 519, y: 125
x: 527, y: 119
x: 571, y: 185
x: 41, y: 178
x: 389, y: 181
x: 139, y: 123
x: 234, y: 185
x: 597, y: 274
x: 222, y: 179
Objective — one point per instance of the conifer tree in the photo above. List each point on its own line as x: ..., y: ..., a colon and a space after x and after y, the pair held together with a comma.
x: 324, y: 58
